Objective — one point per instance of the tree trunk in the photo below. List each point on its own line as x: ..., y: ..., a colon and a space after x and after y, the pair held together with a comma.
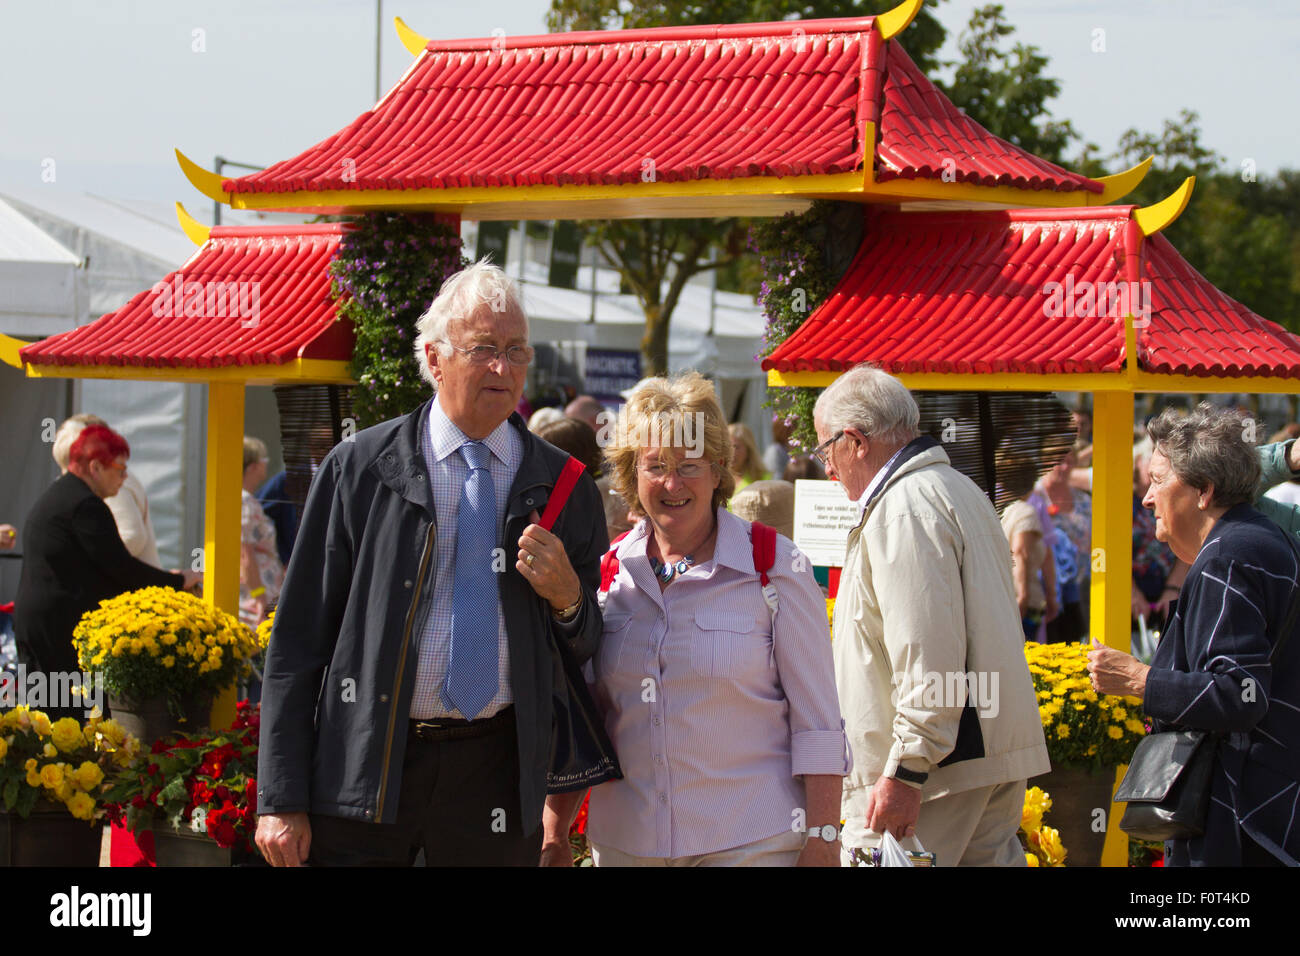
x: 654, y: 344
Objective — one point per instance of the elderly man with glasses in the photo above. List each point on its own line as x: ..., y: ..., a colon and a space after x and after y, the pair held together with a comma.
x: 407, y: 700
x: 929, y: 660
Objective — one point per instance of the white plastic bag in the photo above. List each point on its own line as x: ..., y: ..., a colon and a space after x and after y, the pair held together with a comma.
x: 891, y: 852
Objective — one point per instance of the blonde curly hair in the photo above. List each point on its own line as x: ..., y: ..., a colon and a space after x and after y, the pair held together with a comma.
x: 669, y: 413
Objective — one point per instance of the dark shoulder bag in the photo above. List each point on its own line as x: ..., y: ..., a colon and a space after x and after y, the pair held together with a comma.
x: 581, y: 753
x: 1167, y: 786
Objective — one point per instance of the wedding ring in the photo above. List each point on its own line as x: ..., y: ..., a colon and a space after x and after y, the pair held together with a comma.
x: 529, y: 560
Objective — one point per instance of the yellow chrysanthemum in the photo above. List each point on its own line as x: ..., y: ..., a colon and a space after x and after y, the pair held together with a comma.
x: 1115, y: 733
x: 1062, y: 731
x: 1134, y: 726
x: 1119, y: 713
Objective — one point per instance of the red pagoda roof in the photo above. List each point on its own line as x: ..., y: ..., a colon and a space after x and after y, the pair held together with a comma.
x: 972, y: 293
x: 251, y: 295
x: 717, y: 102
x: 923, y: 135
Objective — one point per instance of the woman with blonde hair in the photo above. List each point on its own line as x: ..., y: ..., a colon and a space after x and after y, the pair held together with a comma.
x: 746, y: 463
x: 723, y: 713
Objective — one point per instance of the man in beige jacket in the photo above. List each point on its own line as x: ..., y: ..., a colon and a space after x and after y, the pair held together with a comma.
x: 929, y: 653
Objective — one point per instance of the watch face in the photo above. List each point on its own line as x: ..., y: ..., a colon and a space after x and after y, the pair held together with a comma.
x: 828, y: 833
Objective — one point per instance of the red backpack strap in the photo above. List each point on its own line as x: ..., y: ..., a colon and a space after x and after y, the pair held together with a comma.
x: 569, y: 476
x: 764, y: 541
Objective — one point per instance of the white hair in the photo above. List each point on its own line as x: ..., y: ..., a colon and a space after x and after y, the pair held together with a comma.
x: 461, y: 295
x: 872, y: 401
x: 68, y: 433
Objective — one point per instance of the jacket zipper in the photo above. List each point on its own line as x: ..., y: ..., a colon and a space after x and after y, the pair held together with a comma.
x: 401, y: 666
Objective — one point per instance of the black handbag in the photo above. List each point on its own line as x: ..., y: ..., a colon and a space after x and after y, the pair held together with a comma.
x: 582, y: 755
x: 1167, y: 785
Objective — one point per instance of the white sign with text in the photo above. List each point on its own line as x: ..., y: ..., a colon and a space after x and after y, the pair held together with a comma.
x: 823, y: 517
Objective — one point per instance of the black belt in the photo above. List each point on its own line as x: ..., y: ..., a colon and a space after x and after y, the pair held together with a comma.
x: 450, y: 728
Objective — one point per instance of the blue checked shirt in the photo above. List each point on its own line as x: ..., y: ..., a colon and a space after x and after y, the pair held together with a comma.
x: 448, y: 472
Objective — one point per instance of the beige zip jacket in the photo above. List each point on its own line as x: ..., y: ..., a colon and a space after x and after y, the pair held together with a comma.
x: 927, y: 611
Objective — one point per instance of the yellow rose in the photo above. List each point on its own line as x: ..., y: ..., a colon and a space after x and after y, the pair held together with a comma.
x: 112, y: 732
x: 30, y: 765
x: 66, y: 734
x: 51, y: 776
x: 50, y: 750
x: 1031, y: 860
x: 89, y: 775
x: 81, y: 806
x: 1049, y: 841
x: 64, y: 791
x: 40, y: 723
x: 4, y: 748
x: 33, y: 779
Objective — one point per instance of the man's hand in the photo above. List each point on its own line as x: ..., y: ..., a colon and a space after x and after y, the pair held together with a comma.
x: 1293, y: 457
x: 894, y: 806
x: 545, y: 566
x: 284, y: 839
x: 556, y: 854
x: 557, y: 817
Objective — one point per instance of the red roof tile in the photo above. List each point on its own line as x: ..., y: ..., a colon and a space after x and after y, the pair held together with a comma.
x: 265, y: 301
x: 968, y: 293
x: 715, y: 102
x: 923, y: 135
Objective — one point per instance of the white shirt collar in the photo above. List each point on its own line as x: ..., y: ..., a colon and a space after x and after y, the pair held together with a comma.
x: 446, y: 437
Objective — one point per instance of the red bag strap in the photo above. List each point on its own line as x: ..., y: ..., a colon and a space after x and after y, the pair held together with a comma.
x: 573, y: 470
x: 764, y: 542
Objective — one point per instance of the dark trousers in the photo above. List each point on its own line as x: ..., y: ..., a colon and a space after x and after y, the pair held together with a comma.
x: 459, y: 802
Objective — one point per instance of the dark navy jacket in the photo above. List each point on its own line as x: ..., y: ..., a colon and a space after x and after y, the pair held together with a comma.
x: 1212, y: 672
x: 340, y: 668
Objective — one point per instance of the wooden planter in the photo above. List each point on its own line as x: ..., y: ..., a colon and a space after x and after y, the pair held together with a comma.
x: 1076, y: 795
x: 186, y: 848
x: 50, y: 836
x: 150, y: 719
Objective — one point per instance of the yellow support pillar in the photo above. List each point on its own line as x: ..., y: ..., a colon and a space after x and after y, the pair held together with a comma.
x: 221, y: 525
x: 1112, y: 550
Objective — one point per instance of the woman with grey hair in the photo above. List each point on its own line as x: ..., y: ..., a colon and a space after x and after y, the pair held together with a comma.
x: 1216, y: 668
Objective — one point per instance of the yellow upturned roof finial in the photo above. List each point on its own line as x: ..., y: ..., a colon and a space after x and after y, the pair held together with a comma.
x: 1151, y: 219
x: 195, y: 230
x: 893, y: 22
x: 410, y: 39
x: 1119, y: 185
x: 205, y: 181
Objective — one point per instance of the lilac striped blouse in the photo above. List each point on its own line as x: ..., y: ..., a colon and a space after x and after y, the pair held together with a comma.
x: 713, y: 716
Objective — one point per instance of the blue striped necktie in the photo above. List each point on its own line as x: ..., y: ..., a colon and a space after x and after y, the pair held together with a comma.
x: 472, y: 678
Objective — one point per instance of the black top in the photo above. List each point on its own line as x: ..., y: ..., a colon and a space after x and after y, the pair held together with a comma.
x: 73, y: 559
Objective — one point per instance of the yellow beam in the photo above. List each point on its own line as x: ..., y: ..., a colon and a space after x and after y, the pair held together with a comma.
x: 893, y: 22
x: 1112, y: 543
x: 195, y: 230
x: 293, y: 372
x: 9, y: 347
x: 204, y: 180
x: 463, y: 198
x: 1119, y: 185
x: 1151, y: 219
x: 1083, y: 382
x: 414, y: 43
x: 221, y: 513
x: 911, y: 190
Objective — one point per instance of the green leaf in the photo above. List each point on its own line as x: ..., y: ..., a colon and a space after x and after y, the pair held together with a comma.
x: 11, y: 793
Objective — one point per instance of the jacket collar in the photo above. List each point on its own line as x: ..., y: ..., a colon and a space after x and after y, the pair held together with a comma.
x: 899, y: 464
x: 400, y: 463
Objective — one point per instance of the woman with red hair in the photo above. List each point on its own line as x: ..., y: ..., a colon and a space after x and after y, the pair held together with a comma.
x: 74, y: 557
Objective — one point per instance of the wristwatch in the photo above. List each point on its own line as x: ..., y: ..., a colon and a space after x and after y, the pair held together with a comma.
x: 830, y: 832
x: 565, y: 615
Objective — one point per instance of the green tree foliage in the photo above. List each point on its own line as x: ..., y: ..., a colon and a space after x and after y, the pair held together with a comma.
x: 1005, y: 89
x: 1240, y: 231
x: 657, y: 257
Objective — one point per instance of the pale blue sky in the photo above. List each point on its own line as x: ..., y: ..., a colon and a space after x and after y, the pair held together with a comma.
x: 106, y: 88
